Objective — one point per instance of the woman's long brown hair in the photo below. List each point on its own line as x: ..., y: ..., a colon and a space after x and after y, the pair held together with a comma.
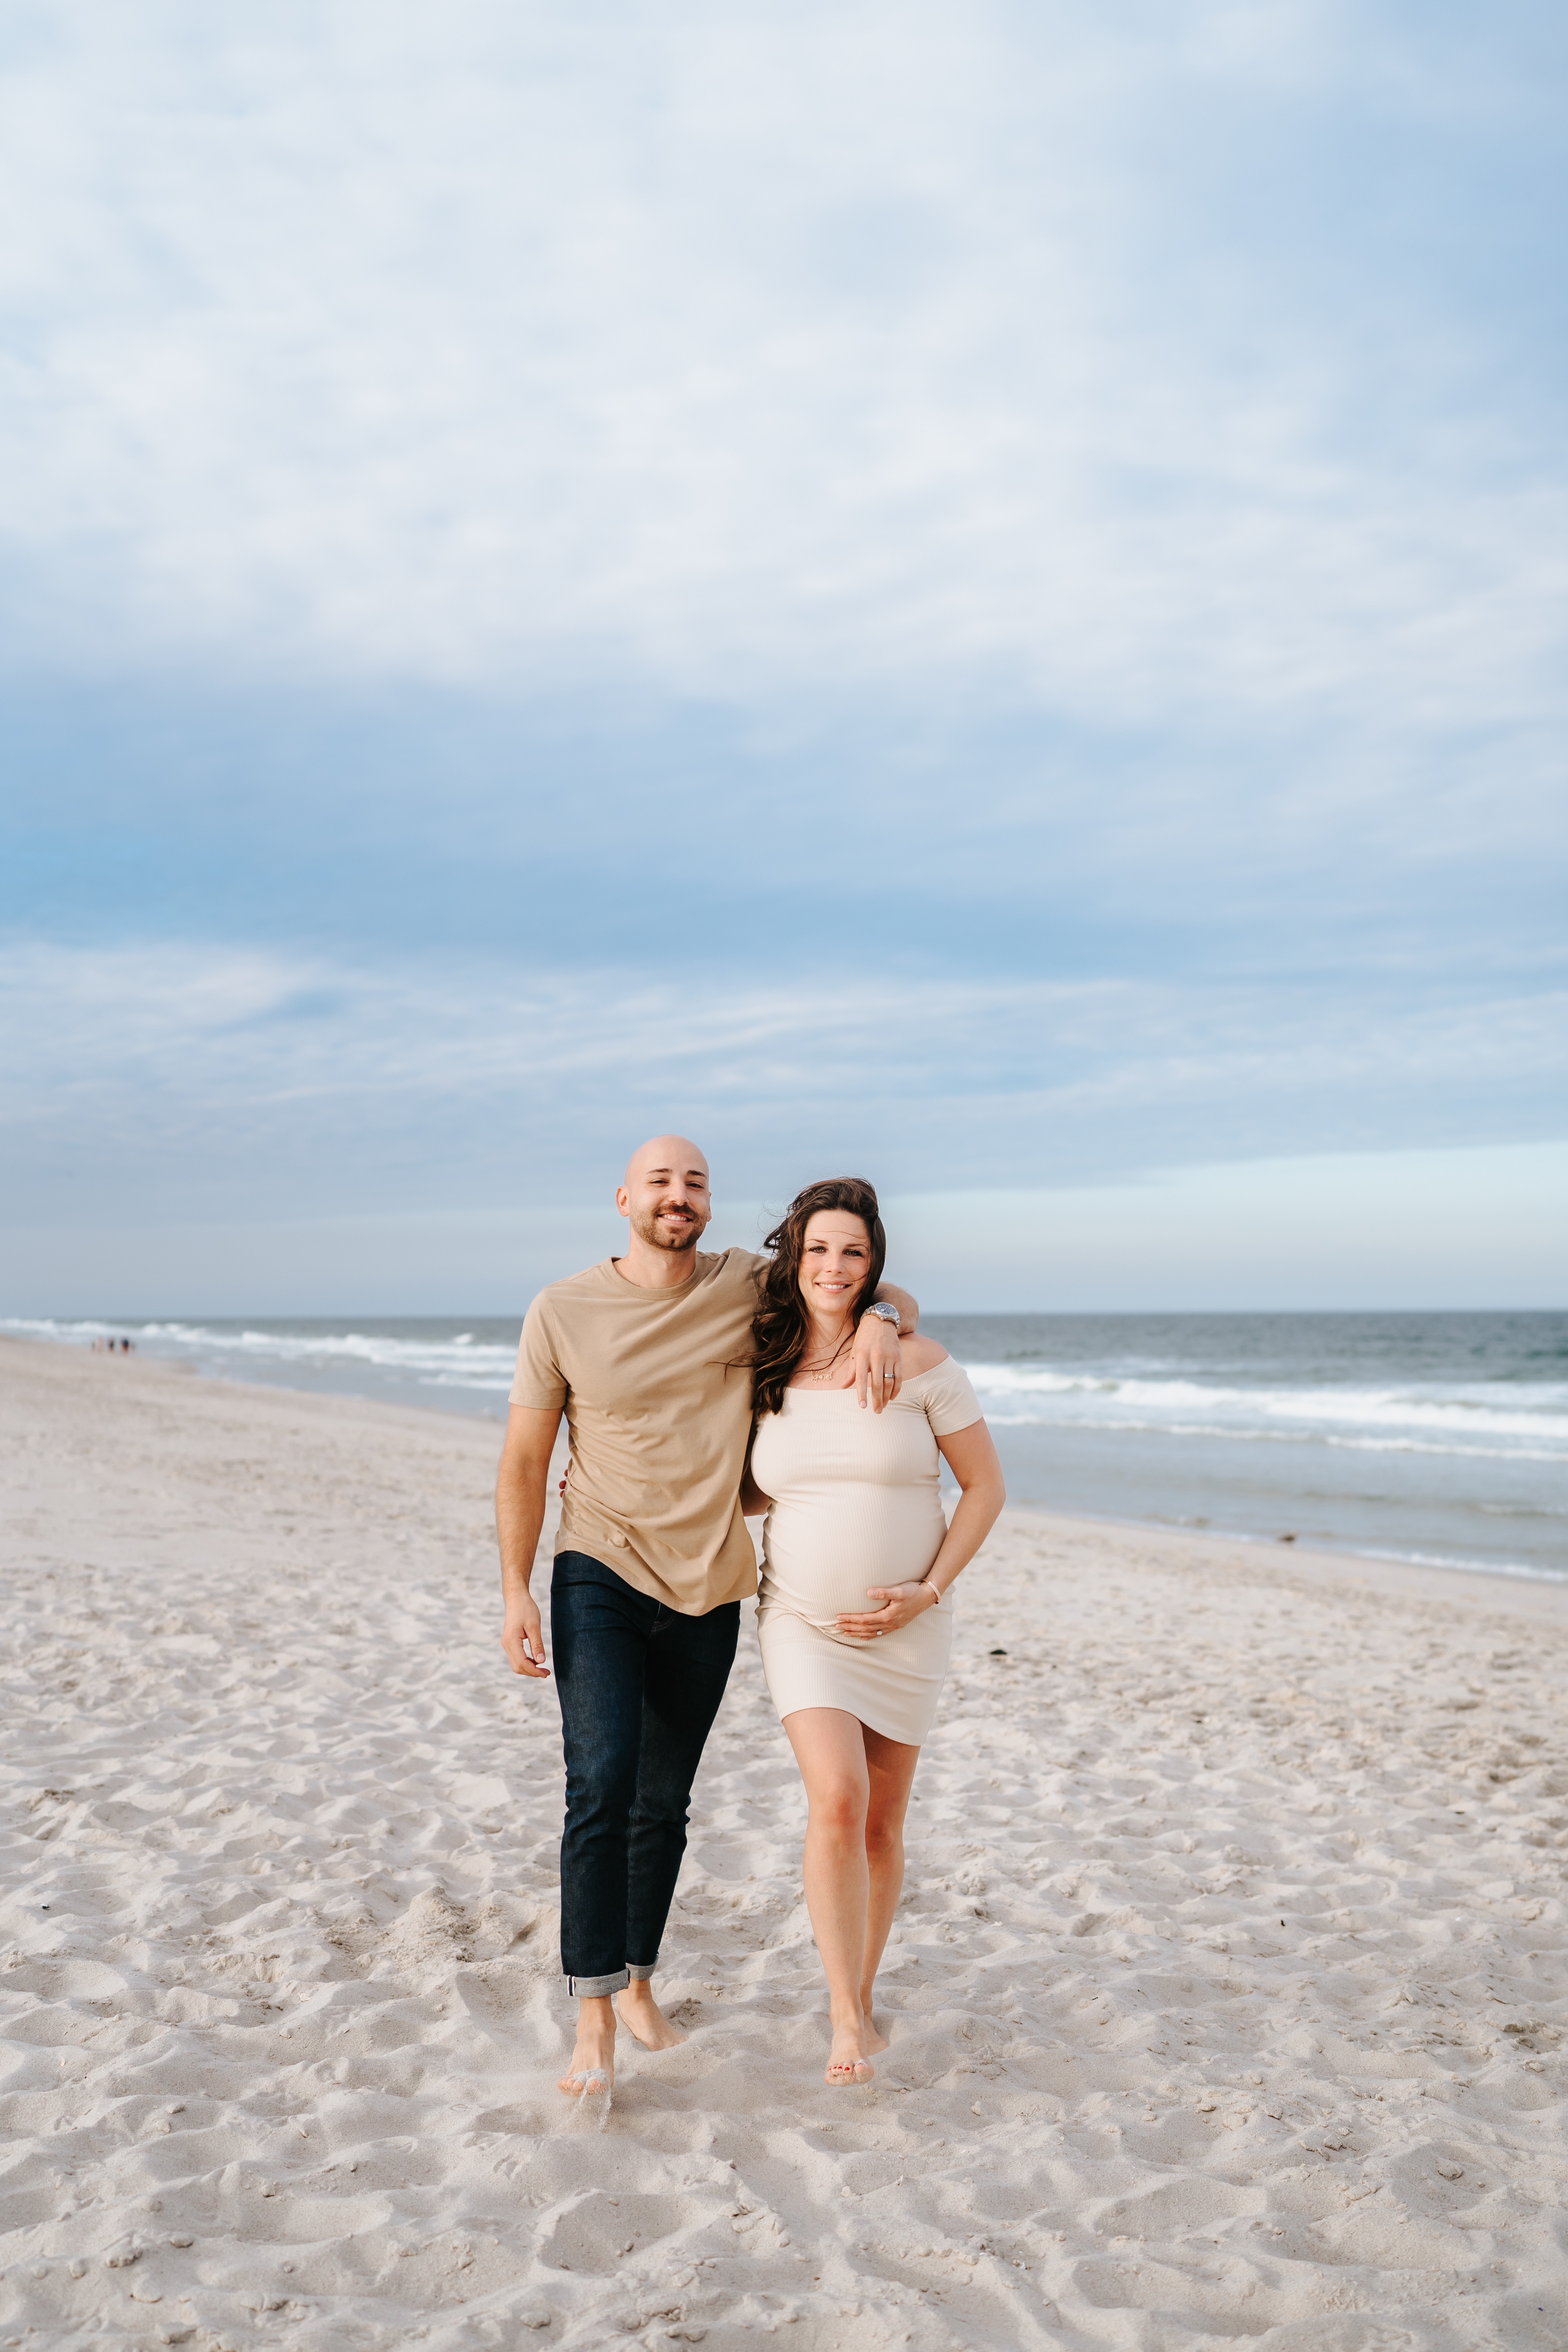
x: 781, y: 1326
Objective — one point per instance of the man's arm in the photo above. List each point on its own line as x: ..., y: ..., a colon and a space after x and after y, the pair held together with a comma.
x: 889, y: 1294
x: 522, y: 1483
x: 879, y: 1364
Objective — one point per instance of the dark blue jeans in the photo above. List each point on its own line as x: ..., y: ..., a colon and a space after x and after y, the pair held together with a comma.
x: 640, y: 1686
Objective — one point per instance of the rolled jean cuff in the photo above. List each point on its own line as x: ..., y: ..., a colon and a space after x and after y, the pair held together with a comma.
x: 596, y: 1987
x: 639, y: 1973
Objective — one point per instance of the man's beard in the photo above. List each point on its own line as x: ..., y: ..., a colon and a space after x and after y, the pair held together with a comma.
x: 664, y: 1236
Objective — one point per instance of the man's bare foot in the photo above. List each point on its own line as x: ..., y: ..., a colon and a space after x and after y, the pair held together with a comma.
x: 594, y: 2052
x: 643, y: 2018
x: 847, y: 2059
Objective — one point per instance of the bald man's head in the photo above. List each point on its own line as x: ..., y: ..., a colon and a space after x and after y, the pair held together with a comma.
x: 664, y: 1193
x: 669, y: 1153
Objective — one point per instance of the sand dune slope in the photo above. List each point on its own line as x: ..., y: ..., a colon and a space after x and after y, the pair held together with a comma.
x: 1226, y: 2001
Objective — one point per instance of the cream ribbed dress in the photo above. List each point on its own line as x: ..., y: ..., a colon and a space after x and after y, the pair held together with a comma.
x: 856, y: 1503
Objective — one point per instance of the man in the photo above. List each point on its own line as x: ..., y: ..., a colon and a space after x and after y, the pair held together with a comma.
x: 646, y: 1354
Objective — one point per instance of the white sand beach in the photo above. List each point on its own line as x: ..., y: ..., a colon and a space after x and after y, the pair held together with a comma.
x: 1226, y: 2001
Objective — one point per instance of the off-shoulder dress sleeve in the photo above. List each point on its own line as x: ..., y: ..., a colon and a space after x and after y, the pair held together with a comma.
x: 951, y: 1403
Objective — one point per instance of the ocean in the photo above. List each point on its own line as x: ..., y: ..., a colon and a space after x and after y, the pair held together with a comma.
x: 1433, y: 1438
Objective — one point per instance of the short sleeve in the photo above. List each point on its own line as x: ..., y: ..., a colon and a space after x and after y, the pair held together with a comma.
x: 539, y: 1381
x: 950, y: 1400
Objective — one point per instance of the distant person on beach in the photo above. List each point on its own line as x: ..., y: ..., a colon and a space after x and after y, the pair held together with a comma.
x: 647, y: 1356
x: 853, y: 1618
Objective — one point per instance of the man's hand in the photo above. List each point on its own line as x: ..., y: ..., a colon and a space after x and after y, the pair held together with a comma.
x: 879, y: 1362
x: 522, y: 1636
x: 520, y: 1484
x: 902, y: 1604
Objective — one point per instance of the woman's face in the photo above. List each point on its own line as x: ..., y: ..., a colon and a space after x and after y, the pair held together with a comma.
x: 835, y: 1259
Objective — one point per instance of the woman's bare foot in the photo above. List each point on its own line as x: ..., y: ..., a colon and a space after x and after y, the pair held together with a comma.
x: 875, y: 2038
x: 847, y: 2059
x: 643, y: 2018
x: 594, y: 2052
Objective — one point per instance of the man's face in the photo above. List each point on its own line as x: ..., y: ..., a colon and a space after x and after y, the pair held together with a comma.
x: 666, y: 1196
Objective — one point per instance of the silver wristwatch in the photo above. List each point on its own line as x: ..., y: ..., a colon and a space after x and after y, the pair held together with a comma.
x: 883, y: 1312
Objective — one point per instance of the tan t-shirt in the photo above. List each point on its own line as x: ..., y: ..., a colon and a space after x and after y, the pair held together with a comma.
x: 658, y: 1403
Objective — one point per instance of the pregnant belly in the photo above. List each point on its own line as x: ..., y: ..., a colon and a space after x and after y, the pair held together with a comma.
x: 819, y: 1556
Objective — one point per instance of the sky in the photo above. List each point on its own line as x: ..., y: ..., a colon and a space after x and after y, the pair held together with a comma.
x: 972, y: 592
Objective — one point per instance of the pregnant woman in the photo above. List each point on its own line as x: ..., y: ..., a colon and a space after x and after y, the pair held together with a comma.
x: 854, y: 1615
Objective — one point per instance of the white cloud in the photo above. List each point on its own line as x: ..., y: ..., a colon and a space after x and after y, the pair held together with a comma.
x: 188, y: 1082
x: 737, y: 351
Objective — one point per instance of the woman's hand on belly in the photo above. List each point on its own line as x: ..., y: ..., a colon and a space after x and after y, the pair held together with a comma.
x: 899, y: 1604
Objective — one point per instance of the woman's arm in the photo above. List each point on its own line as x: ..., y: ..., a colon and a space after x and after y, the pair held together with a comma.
x: 971, y: 1455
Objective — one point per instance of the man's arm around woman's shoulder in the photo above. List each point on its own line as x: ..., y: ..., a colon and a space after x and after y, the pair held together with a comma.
x: 889, y: 1294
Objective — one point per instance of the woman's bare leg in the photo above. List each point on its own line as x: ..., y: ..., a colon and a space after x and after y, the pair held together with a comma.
x: 890, y: 1772
x: 830, y: 1749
